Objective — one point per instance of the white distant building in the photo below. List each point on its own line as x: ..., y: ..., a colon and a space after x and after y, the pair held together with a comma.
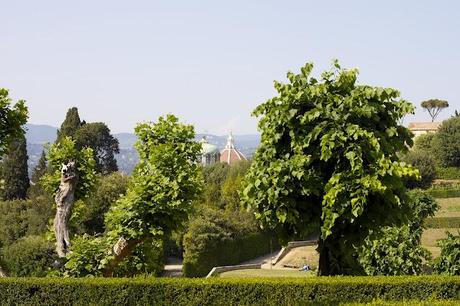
x: 420, y: 128
x: 209, y: 153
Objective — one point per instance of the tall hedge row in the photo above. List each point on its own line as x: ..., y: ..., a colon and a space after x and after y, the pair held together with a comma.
x: 286, y: 291
x: 444, y: 193
x: 208, y: 253
x: 443, y: 222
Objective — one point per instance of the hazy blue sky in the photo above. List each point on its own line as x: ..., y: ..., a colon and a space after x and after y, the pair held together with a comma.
x: 212, y: 62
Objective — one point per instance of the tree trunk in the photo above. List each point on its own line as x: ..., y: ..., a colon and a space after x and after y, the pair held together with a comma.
x: 122, y: 249
x: 324, y: 268
x: 65, y: 198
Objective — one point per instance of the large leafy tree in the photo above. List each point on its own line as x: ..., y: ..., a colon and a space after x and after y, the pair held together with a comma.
x: 446, y: 143
x: 13, y: 117
x: 14, y: 171
x: 328, y: 158
x: 158, y: 199
x: 97, y: 137
x: 434, y: 107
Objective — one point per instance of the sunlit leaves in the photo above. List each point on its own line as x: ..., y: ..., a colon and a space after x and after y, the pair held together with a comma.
x: 328, y: 156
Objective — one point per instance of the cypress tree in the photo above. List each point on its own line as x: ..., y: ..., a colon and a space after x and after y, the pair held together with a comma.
x: 14, y: 171
x: 70, y: 125
x: 39, y: 169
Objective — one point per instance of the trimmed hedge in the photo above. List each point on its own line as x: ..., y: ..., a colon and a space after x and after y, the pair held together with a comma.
x: 285, y: 291
x: 443, y: 222
x: 444, y: 193
x: 211, y: 253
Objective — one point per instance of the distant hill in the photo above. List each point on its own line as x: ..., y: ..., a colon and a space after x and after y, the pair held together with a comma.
x: 38, y: 135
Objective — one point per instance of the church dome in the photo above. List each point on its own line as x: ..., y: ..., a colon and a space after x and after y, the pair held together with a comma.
x: 208, y: 148
x: 231, y: 154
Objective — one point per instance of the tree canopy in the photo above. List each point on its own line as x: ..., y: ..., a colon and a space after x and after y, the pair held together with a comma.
x: 446, y: 143
x: 434, y: 107
x: 70, y: 125
x: 61, y: 153
x: 13, y: 117
x: 14, y: 171
x: 96, y: 135
x: 328, y: 158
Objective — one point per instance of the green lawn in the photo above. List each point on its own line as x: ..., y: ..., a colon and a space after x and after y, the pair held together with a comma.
x: 450, y: 207
x: 267, y: 273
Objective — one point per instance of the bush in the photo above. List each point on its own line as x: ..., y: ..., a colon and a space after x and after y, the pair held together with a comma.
x: 448, y: 173
x: 443, y: 222
x: 424, y: 142
x: 446, y: 143
x: 397, y: 250
x: 29, y: 256
x: 449, y: 261
x: 426, y: 166
x: 89, y: 257
x: 215, y: 291
x: 218, y: 239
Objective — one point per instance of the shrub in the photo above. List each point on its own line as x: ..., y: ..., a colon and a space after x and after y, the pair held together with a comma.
x: 424, y: 142
x: 397, y: 250
x: 446, y: 143
x: 425, y: 164
x: 215, y: 291
x: 29, y: 256
x: 218, y: 239
x: 449, y: 261
x: 90, y: 255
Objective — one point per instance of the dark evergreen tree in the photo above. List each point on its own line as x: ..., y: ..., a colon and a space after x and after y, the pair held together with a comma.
x: 97, y: 136
x: 39, y: 170
x: 70, y: 125
x: 14, y: 171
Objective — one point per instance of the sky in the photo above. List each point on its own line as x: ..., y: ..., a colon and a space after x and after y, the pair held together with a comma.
x: 212, y: 62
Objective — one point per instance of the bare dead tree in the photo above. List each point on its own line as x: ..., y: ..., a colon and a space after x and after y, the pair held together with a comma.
x: 65, y: 198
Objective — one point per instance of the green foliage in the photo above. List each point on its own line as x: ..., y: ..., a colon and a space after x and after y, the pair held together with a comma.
x: 40, y: 169
x: 163, y: 184
x: 70, y: 125
x: 426, y: 166
x: 88, y: 256
x: 216, y: 291
x: 216, y: 238
x: 14, y: 171
x: 13, y: 117
x: 61, y: 153
x: 424, y: 142
x: 28, y: 256
x: 446, y: 143
x: 20, y: 218
x: 443, y: 222
x: 397, y: 250
x: 108, y: 189
x: 328, y: 155
x: 448, y: 173
x: 97, y: 137
x: 449, y: 261
x: 434, y: 107
x: 158, y: 199
x: 147, y: 258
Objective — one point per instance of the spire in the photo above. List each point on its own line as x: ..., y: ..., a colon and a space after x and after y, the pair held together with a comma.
x: 230, y: 142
